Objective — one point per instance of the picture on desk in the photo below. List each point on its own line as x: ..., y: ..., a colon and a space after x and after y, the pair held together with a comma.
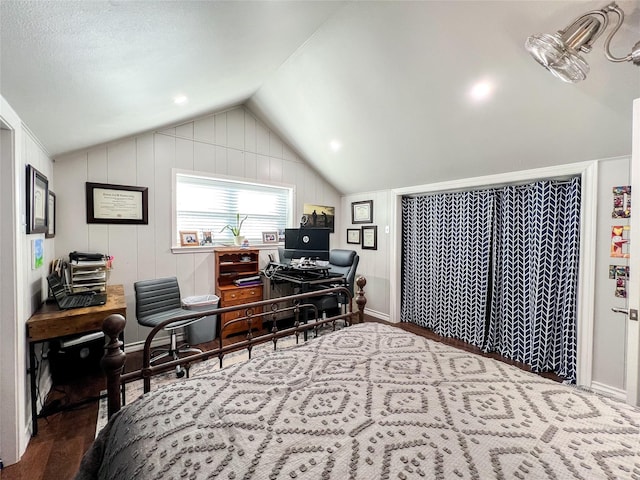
x: 318, y: 216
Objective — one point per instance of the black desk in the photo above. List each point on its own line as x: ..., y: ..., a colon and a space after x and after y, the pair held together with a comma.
x: 306, y: 279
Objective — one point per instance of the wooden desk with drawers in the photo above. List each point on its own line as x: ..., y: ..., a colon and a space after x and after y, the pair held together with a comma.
x: 232, y: 264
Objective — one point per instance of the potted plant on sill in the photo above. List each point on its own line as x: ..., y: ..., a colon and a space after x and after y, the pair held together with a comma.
x: 237, y: 237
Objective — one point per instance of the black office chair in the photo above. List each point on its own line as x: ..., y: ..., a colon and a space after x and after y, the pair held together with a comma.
x: 159, y: 300
x: 284, y: 256
x: 344, y: 262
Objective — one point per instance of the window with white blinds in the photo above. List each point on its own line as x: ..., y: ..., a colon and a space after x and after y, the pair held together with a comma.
x: 207, y: 204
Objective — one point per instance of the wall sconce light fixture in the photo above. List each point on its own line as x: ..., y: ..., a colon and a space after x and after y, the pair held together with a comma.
x: 560, y: 52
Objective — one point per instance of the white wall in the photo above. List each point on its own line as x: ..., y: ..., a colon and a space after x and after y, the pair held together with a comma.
x: 609, y: 334
x: 231, y: 143
x: 374, y: 264
x: 22, y: 287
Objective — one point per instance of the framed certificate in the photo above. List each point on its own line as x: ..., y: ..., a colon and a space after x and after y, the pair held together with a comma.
x: 362, y: 212
x: 370, y: 237
x: 353, y: 235
x: 108, y: 203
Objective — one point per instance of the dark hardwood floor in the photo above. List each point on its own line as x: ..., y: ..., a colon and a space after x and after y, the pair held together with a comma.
x: 63, y: 437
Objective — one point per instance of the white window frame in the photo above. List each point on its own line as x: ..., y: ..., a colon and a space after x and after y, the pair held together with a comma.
x: 175, y: 240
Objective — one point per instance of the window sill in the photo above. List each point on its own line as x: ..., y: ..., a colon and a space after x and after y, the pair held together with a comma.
x: 209, y: 248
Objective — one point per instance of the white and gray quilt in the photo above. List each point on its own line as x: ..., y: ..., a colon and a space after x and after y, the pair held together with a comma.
x: 369, y: 402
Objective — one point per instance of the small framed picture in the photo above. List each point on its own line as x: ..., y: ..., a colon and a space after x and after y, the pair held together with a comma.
x: 189, y: 238
x: 370, y: 237
x: 353, y: 235
x: 270, y: 237
x: 207, y: 238
x: 362, y: 212
x: 51, y: 217
x: 37, y: 201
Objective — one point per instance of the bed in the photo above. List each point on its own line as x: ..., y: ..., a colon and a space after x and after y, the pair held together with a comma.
x: 370, y: 401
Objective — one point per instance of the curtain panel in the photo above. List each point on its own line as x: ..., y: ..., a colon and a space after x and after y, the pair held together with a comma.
x: 534, y: 290
x: 498, y: 269
x: 446, y: 247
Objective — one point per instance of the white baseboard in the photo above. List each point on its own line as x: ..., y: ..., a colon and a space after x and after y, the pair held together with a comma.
x: 609, y: 391
x: 158, y: 341
x: 376, y: 314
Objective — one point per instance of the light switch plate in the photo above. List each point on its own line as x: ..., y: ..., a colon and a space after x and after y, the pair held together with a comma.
x: 633, y: 314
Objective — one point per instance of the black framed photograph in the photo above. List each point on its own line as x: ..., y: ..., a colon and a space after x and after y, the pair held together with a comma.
x: 362, y: 212
x: 107, y: 203
x: 37, y: 200
x: 353, y: 235
x: 370, y: 237
x: 51, y: 216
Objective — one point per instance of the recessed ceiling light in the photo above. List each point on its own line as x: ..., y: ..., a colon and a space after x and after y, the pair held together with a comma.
x: 180, y: 100
x: 481, y: 91
x: 335, y: 145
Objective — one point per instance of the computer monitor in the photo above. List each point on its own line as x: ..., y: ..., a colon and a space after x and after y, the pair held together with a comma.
x: 307, y: 242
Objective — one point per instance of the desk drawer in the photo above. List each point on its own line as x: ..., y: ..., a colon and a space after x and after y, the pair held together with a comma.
x: 240, y: 326
x: 247, y: 294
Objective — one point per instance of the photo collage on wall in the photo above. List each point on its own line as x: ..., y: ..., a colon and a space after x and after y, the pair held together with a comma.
x: 620, y: 239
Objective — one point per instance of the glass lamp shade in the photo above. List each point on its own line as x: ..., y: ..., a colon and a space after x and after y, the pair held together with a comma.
x: 561, y: 60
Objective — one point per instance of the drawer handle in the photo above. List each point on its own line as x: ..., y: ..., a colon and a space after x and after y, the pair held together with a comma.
x: 252, y: 292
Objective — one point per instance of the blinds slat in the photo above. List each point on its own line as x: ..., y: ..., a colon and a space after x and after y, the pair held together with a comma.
x: 208, y: 204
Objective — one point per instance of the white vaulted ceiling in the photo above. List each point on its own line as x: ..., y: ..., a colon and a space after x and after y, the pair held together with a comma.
x: 388, y: 80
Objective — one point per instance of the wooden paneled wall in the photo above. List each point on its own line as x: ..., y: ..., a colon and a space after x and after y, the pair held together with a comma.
x: 232, y: 143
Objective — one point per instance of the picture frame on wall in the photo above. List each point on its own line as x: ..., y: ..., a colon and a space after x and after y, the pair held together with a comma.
x: 189, y: 238
x: 353, y: 235
x: 37, y: 200
x: 362, y: 212
x: 318, y: 216
x: 119, y: 204
x: 51, y: 216
x: 370, y: 237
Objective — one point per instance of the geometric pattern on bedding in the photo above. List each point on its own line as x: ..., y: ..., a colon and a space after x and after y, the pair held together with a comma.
x: 498, y: 269
x: 446, y: 261
x: 370, y: 402
x: 534, y: 297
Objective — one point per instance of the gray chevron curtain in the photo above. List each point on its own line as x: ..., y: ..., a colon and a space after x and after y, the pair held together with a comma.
x: 497, y: 269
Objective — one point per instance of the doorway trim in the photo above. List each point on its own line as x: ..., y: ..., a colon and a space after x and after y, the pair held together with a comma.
x: 588, y: 214
x: 13, y: 435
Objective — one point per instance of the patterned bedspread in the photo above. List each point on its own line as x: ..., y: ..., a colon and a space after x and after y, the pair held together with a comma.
x: 369, y: 402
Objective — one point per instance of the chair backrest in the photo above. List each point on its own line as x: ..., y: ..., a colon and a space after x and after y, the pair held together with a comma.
x: 156, y: 296
x: 284, y: 256
x: 346, y: 263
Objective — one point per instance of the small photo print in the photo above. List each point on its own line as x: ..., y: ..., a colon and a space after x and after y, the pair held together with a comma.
x: 621, y: 288
x: 621, y: 202
x: 622, y: 272
x: 620, y: 241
